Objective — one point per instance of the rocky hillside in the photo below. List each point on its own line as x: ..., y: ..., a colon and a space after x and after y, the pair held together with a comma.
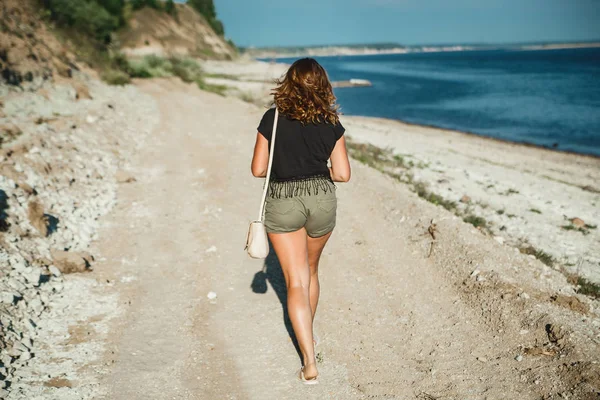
x: 29, y: 53
x: 186, y: 33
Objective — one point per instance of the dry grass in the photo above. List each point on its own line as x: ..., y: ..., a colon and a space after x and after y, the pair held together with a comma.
x: 539, y: 254
x: 477, y: 222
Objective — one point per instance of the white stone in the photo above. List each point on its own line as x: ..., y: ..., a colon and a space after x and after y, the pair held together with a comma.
x: 6, y: 297
x: 54, y: 271
x: 36, y: 306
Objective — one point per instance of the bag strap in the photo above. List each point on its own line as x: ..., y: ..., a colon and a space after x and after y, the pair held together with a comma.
x: 261, y: 213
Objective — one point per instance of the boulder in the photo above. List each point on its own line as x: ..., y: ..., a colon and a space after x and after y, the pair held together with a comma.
x: 69, y: 262
x: 37, y: 218
x: 26, y: 188
x: 9, y: 171
x: 578, y: 222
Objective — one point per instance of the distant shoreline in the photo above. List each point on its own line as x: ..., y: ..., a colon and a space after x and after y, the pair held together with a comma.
x: 253, y: 81
x: 337, y: 51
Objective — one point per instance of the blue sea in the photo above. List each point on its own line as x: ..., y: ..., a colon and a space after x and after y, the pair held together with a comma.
x: 545, y: 97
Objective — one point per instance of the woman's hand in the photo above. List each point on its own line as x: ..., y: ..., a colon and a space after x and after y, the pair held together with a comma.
x: 260, y: 160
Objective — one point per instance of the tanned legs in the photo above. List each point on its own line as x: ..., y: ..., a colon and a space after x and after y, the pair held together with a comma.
x: 299, y: 255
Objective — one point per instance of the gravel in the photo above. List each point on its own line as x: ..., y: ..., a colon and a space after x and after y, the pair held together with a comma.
x: 56, y: 180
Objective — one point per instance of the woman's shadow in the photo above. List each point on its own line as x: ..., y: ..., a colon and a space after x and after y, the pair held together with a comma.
x: 272, y: 273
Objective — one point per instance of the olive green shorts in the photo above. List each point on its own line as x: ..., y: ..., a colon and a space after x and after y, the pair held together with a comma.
x: 314, y: 212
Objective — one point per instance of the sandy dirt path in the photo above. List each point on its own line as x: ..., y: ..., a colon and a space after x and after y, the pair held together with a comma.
x: 394, y: 323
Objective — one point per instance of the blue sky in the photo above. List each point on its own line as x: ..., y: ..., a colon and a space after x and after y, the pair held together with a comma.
x: 313, y: 22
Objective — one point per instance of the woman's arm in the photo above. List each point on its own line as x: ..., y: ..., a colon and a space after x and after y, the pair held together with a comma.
x: 260, y: 160
x: 340, y: 166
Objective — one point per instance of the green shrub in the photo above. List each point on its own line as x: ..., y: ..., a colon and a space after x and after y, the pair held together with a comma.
x: 115, y: 77
x: 208, y: 87
x: 476, y: 221
x: 539, y: 254
x: 186, y: 69
x: 116, y: 8
x: 436, y: 199
x: 170, y: 8
x: 153, y: 66
x: 207, y: 9
x: 119, y: 61
x: 150, y: 67
x: 588, y: 288
x: 86, y: 16
x: 232, y: 44
x: 139, y: 4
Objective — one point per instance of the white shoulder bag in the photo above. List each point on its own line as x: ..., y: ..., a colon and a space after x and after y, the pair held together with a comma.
x: 257, y: 243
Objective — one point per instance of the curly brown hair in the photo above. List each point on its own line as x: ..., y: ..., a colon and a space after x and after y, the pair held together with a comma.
x: 304, y: 93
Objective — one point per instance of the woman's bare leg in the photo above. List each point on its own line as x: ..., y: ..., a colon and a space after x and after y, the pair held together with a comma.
x: 315, y: 248
x: 292, y: 252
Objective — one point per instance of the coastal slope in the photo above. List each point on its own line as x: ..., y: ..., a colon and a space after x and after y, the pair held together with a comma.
x: 186, y: 33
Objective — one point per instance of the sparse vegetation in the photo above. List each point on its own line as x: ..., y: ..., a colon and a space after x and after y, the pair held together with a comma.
x: 539, y: 254
x: 187, y: 69
x: 207, y: 9
x: 115, y: 77
x: 95, y: 19
x: 170, y: 8
x: 588, y: 288
x: 477, y: 222
x: 223, y: 76
x: 583, y: 286
x: 535, y: 210
x: 422, y: 191
x: 247, y: 97
x: 208, y: 87
x: 500, y: 212
x: 207, y: 52
x: 396, y: 166
x: 233, y: 45
x: 139, y: 4
x: 483, y: 205
x: 583, y: 229
x: 90, y: 25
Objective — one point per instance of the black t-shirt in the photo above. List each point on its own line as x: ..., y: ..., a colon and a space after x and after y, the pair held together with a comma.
x: 300, y: 150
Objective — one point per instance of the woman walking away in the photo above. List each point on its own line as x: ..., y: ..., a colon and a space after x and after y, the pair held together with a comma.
x: 301, y: 205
